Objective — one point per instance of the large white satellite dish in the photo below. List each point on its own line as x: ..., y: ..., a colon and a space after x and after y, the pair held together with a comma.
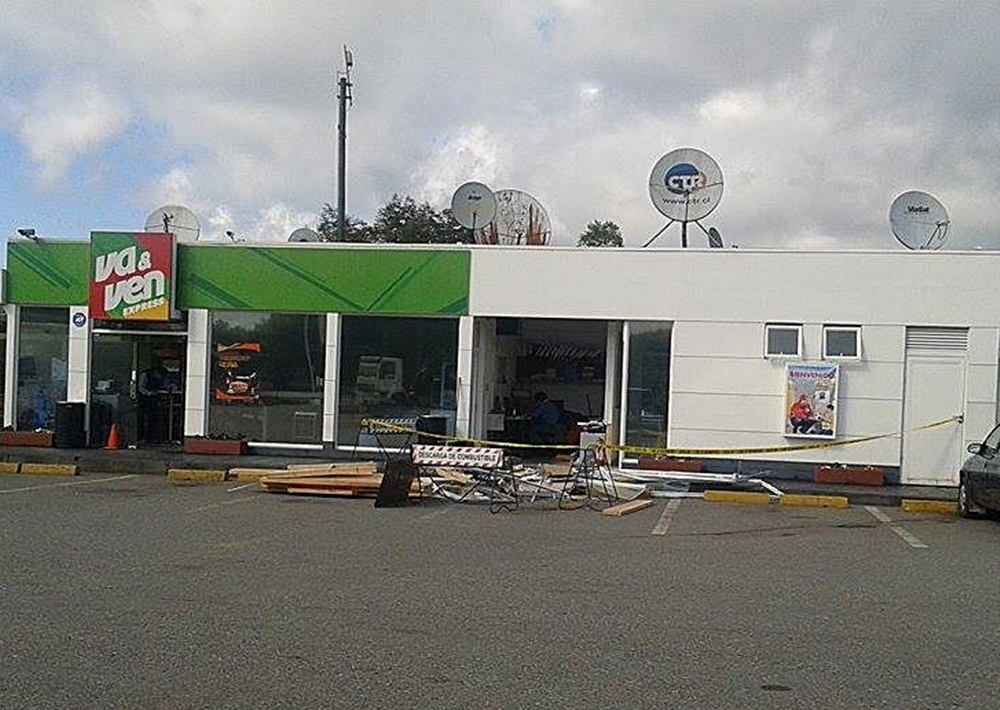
x: 686, y: 185
x: 473, y: 205
x: 918, y: 220
x: 176, y: 220
x: 520, y: 219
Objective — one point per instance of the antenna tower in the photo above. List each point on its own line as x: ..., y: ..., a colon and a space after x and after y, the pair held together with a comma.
x: 344, y: 99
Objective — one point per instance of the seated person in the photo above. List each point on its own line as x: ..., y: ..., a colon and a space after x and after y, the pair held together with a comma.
x: 546, y: 421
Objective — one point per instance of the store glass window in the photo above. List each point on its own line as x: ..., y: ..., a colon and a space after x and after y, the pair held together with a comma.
x: 42, y: 366
x: 267, y: 377
x: 3, y: 349
x: 842, y: 342
x: 782, y: 340
x: 648, y: 384
x: 396, y: 368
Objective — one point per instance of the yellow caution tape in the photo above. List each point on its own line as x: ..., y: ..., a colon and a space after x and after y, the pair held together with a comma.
x: 660, y: 451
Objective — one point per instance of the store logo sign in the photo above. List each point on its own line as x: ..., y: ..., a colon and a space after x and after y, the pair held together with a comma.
x: 131, y: 276
x: 684, y: 178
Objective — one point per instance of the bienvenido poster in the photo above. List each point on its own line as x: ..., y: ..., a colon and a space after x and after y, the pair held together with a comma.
x: 811, y: 400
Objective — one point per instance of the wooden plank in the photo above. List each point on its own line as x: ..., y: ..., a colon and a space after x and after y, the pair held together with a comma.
x: 338, y: 468
x: 629, y: 507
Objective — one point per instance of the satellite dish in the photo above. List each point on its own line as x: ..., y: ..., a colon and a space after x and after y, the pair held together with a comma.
x: 918, y: 220
x: 714, y: 238
x: 304, y: 234
x: 473, y: 205
x: 176, y: 220
x: 519, y: 219
x: 685, y: 185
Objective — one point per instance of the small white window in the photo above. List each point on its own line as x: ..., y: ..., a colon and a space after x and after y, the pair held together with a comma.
x: 842, y: 342
x: 782, y: 340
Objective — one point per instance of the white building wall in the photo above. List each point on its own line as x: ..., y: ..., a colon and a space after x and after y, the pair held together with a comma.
x: 724, y: 393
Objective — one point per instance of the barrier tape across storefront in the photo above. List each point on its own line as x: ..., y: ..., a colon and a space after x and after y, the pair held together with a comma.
x: 387, y: 426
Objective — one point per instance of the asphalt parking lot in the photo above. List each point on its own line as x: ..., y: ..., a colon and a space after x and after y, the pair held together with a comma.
x: 126, y: 591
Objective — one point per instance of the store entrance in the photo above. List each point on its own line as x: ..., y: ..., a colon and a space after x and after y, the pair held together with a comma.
x: 547, y: 377
x: 137, y: 384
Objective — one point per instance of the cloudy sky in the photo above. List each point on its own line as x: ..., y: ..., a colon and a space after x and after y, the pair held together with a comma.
x: 819, y: 113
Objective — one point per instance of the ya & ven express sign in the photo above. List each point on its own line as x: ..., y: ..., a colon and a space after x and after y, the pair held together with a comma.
x: 131, y: 276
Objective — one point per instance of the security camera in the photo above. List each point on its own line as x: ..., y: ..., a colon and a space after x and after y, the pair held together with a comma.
x: 28, y: 233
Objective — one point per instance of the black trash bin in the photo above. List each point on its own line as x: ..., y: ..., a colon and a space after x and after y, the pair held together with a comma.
x: 70, y: 431
x: 431, y: 424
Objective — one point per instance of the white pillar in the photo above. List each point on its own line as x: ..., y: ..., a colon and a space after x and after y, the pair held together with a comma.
x: 10, y: 364
x: 463, y: 385
x: 331, y: 378
x: 198, y: 379
x: 78, y: 356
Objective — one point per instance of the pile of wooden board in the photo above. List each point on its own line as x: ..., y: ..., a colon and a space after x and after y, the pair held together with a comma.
x: 353, y: 479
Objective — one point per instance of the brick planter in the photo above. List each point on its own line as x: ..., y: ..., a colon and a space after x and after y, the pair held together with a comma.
x: 648, y: 463
x: 222, y: 447
x: 851, y: 475
x: 26, y: 438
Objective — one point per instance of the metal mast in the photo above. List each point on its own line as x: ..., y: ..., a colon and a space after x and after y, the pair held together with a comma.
x: 344, y: 100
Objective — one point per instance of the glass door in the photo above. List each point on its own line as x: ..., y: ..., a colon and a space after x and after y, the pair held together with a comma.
x: 112, y: 384
x: 137, y: 385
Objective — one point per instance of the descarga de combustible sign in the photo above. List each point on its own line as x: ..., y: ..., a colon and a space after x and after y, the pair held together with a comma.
x: 131, y: 276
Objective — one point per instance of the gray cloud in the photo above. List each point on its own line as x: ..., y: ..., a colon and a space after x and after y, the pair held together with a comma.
x: 818, y: 113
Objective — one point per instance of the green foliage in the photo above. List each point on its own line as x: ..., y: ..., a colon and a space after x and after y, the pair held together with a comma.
x: 356, y: 230
x: 601, y: 234
x: 402, y: 220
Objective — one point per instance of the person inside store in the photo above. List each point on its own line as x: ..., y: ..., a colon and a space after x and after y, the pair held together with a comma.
x: 545, y: 421
x: 153, y: 384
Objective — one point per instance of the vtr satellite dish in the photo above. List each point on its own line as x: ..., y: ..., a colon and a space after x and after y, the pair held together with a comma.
x: 685, y: 185
x: 304, y: 234
x: 176, y: 220
x: 520, y: 219
x: 918, y: 220
x: 473, y: 205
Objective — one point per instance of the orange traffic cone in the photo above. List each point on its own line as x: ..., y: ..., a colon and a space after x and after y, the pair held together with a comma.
x: 113, y: 438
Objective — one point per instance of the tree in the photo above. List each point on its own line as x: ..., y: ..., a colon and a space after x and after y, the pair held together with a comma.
x: 403, y: 220
x: 356, y: 230
x: 601, y: 234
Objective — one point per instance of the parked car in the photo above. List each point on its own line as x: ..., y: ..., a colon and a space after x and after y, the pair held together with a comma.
x: 979, y: 479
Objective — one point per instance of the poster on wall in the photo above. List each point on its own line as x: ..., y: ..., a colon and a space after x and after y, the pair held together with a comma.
x: 811, y: 400
x: 238, y: 381
x: 131, y: 276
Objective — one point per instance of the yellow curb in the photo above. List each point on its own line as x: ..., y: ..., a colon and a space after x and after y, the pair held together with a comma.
x: 814, y: 501
x: 736, y: 497
x: 940, y: 507
x: 196, y: 475
x: 10, y: 467
x: 49, y: 469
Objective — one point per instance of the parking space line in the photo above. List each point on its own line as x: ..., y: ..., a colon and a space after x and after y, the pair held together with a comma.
x: 213, y: 506
x: 69, y: 483
x: 240, y: 488
x: 663, y: 524
x: 910, y: 539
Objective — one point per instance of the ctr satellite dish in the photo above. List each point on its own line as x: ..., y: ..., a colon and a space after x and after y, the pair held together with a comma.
x: 520, y: 219
x: 304, y: 234
x: 685, y: 186
x: 176, y: 220
x: 918, y: 220
x: 473, y: 205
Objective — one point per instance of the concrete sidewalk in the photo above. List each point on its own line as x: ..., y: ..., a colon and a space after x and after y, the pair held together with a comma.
x: 159, y: 461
